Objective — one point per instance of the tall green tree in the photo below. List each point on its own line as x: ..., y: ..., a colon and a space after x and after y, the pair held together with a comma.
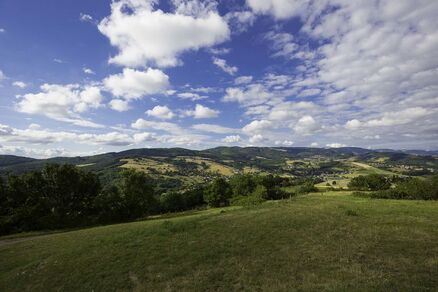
x: 3, y: 197
x: 137, y: 190
x: 371, y: 182
x: 218, y: 193
x: 242, y: 184
x: 71, y: 193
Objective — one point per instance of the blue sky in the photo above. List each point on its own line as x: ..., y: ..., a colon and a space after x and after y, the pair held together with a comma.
x: 85, y: 77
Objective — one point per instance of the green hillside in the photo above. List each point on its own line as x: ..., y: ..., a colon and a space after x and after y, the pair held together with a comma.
x: 329, y: 241
x: 183, y: 167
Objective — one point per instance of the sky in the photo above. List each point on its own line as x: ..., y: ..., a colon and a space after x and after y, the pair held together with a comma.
x: 85, y: 77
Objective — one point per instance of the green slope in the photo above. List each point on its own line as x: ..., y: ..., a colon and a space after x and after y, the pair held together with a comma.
x: 316, y: 242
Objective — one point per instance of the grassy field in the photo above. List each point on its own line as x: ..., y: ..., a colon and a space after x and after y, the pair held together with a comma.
x: 144, y: 164
x: 365, y: 169
x: 329, y: 241
x: 358, y: 168
x: 212, y: 166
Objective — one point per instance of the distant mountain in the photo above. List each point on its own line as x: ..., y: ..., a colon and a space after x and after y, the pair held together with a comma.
x: 239, y: 156
x: 6, y: 160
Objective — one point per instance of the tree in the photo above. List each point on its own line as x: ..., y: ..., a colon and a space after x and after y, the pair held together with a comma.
x: 260, y: 192
x: 218, y: 193
x: 242, y: 185
x: 137, y: 191
x: 371, y: 182
x: 194, y: 197
x: 3, y: 198
x: 110, y: 206
x: 172, y: 202
x: 71, y: 193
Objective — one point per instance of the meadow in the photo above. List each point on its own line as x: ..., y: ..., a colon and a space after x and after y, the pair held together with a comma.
x: 322, y: 241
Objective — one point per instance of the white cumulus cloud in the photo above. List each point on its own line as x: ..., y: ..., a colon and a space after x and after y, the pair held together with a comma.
x: 231, y: 139
x: 161, y: 112
x: 62, y: 102
x: 134, y: 84
x: 145, y: 36
x: 202, y: 112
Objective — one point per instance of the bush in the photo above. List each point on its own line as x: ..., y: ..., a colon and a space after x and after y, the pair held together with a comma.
x: 137, y: 191
x: 172, y: 202
x: 307, y: 187
x: 412, y: 189
x: 371, y: 182
x: 407, y: 189
x: 242, y: 184
x: 59, y: 196
x: 218, y: 193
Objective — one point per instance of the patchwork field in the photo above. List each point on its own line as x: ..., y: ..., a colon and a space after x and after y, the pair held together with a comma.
x: 212, y: 166
x: 148, y: 165
x: 328, y: 241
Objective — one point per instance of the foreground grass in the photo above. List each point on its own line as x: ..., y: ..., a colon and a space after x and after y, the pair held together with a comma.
x: 331, y: 241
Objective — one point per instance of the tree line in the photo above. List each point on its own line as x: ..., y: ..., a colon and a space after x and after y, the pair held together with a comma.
x: 406, y: 188
x: 65, y: 196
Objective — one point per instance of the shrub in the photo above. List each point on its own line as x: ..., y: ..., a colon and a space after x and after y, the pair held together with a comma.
x: 58, y: 196
x: 412, y: 189
x: 172, y: 202
x: 307, y: 187
x: 218, y: 193
x: 371, y: 182
x: 137, y: 191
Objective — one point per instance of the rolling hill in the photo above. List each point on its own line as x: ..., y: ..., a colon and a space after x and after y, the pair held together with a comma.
x: 180, y: 167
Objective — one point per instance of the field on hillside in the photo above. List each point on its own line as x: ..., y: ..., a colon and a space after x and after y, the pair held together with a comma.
x: 329, y: 241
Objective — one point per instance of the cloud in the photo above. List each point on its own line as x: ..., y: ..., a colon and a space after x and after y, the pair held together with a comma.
x: 62, y: 102
x: 353, y: 124
x: 142, y: 124
x: 257, y: 126
x: 119, y: 105
x: 284, y: 143
x: 282, y: 44
x: 145, y: 36
x: 280, y: 9
x: 134, y: 84
x: 192, y: 96
x: 88, y: 71
x: 336, y: 145
x: 398, y: 118
x: 219, y: 51
x: 36, y: 153
x: 36, y: 135
x: 144, y: 137
x: 257, y: 139
x: 2, y: 75
x: 86, y: 17
x: 306, y: 125
x: 19, y: 84
x: 389, y: 119
x: 161, y: 112
x: 243, y: 80
x: 2, y: 30
x: 254, y: 94
x: 212, y: 128
x: 221, y: 63
x: 111, y: 138
x: 202, y: 112
x: 231, y: 139
x: 240, y: 21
